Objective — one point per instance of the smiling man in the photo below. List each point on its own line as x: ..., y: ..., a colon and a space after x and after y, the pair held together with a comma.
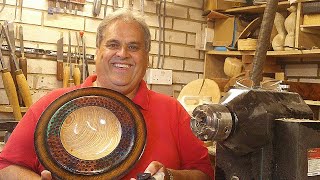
x: 122, y: 56
x: 123, y: 45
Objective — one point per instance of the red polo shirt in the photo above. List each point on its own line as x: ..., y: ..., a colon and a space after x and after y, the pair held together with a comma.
x: 169, y: 137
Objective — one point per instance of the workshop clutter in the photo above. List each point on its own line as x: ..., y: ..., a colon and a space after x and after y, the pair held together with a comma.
x: 311, y: 13
x: 221, y: 4
x: 76, y: 7
x: 227, y: 37
x: 14, y: 81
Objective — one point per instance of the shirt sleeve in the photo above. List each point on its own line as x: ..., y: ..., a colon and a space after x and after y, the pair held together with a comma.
x: 194, y: 154
x: 19, y: 150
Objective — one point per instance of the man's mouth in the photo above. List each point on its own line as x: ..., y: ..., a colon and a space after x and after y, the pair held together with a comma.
x: 121, y: 65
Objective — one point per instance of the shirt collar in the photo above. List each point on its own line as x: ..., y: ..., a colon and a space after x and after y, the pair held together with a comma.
x: 141, y: 98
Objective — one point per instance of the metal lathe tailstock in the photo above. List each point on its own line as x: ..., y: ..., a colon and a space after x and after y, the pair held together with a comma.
x: 261, y: 134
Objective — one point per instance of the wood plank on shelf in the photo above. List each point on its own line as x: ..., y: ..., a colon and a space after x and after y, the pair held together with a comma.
x: 312, y: 103
x: 8, y: 109
x: 282, y: 6
x: 311, y: 26
x: 292, y: 53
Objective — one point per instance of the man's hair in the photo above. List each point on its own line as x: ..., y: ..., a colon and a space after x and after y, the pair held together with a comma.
x: 125, y: 15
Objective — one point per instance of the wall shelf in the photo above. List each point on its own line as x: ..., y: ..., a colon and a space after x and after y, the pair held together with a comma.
x: 256, y: 9
x: 8, y: 109
x: 293, y: 53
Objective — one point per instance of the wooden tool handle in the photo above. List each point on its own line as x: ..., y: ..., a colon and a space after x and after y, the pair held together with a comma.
x: 59, y: 70
x: 66, y: 75
x: 70, y: 83
x: 11, y: 91
x: 24, y: 88
x: 76, y: 75
x: 23, y: 66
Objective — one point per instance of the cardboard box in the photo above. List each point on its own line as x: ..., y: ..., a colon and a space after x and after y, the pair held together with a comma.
x: 223, y: 26
x: 227, y: 29
x: 311, y: 19
x: 222, y: 4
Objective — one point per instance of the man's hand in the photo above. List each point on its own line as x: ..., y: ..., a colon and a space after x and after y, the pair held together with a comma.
x: 157, y: 170
x: 155, y: 167
x: 46, y: 175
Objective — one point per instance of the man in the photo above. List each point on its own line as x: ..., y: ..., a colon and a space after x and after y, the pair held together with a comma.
x: 123, y: 45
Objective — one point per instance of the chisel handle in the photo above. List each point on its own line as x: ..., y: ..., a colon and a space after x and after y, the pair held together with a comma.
x: 59, y: 70
x: 23, y: 66
x: 12, y: 95
x: 76, y: 75
x: 66, y: 75
x: 24, y: 88
x: 70, y: 83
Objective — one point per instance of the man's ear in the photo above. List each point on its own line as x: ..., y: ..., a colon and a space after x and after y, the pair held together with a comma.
x: 97, y: 52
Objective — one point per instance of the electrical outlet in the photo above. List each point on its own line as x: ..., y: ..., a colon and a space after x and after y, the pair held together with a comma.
x: 159, y: 76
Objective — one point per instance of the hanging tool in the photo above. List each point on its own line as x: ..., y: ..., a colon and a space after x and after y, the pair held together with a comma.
x: 131, y: 4
x: 158, y: 10
x: 142, y: 6
x: 21, y: 79
x: 60, y: 58
x: 96, y: 7
x: 3, y: 5
x: 70, y: 80
x: 15, y: 10
x: 51, y: 8
x: 10, y: 30
x: 161, y: 41
x: 22, y: 60
x: 9, y: 86
x: 105, y: 9
x: 85, y: 68
x: 70, y: 6
x: 21, y: 3
x: 115, y: 5
x: 76, y: 69
x: 163, y: 33
x: 58, y: 9
x: 66, y: 68
x: 122, y: 5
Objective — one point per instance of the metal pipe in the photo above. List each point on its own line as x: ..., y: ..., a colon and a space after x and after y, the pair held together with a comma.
x: 263, y: 41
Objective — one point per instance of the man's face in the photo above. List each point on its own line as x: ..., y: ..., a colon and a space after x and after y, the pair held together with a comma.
x: 122, y: 58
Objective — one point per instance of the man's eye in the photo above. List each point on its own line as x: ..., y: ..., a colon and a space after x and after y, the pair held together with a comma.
x: 112, y: 46
x: 133, y: 47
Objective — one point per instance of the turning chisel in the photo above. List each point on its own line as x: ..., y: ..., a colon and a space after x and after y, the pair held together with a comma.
x: 21, y: 79
x: 22, y: 60
x: 60, y: 58
x: 9, y: 86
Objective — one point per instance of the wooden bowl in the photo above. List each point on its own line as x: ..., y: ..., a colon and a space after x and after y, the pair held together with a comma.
x: 90, y: 133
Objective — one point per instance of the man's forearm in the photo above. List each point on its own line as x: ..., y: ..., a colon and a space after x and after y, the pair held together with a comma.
x: 189, y: 175
x: 14, y: 172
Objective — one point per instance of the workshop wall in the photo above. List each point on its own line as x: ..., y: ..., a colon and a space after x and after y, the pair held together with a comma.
x: 42, y: 30
x: 302, y: 70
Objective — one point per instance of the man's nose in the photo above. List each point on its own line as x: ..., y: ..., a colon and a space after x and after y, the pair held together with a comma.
x: 123, y: 52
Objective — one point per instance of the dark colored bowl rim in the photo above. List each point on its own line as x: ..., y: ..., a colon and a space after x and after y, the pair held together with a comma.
x: 116, y: 171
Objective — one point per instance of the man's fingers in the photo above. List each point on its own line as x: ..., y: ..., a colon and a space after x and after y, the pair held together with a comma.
x: 155, y: 167
x: 46, y: 175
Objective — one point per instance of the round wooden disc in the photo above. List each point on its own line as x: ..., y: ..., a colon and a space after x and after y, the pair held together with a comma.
x: 201, y: 87
x: 90, y: 133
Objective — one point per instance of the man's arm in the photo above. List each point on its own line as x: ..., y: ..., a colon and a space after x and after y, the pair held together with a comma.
x: 14, y: 172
